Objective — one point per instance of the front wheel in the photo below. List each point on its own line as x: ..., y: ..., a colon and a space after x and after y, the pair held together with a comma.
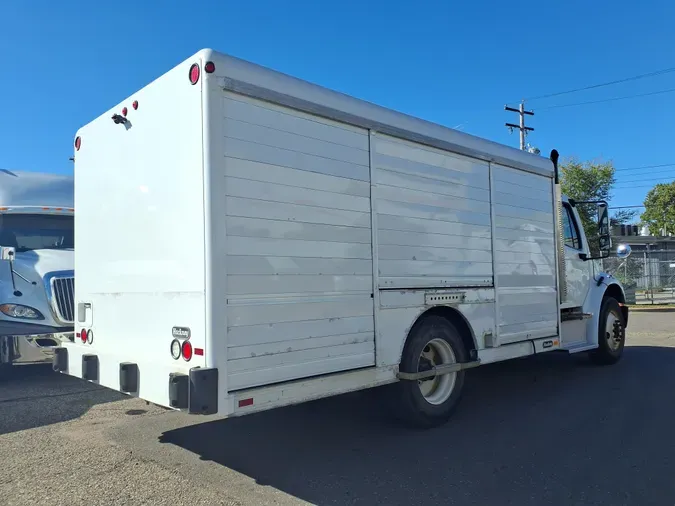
x: 429, y: 402
x: 611, y: 333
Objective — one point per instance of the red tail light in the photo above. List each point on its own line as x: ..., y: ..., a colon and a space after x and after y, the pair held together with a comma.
x: 194, y: 73
x: 187, y: 350
x: 83, y: 336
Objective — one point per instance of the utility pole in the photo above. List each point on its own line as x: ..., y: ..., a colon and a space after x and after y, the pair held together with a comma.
x: 523, y: 129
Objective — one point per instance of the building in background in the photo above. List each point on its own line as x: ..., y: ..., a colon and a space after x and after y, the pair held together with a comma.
x: 650, y: 270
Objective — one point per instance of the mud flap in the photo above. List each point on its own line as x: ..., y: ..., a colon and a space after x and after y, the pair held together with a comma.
x: 624, y: 313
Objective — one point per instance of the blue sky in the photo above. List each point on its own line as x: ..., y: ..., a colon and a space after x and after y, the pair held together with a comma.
x: 452, y: 62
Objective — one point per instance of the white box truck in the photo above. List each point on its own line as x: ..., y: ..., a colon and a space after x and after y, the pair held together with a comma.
x: 36, y: 265
x: 283, y: 242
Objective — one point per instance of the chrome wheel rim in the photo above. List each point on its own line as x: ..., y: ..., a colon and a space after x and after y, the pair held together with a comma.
x: 437, y: 390
x: 613, y: 331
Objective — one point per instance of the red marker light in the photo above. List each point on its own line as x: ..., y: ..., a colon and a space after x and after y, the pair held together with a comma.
x: 199, y: 352
x: 209, y: 67
x: 194, y: 73
x: 246, y: 402
x: 187, y: 350
x: 78, y: 143
x: 135, y: 104
x: 124, y: 111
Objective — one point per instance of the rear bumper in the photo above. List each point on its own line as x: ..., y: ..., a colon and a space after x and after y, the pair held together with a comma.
x: 194, y: 390
x: 31, y: 349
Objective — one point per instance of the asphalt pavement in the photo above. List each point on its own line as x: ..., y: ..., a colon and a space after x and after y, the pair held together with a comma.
x: 547, y: 430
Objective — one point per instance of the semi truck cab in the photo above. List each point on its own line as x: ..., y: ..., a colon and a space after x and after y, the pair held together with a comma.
x: 36, y: 265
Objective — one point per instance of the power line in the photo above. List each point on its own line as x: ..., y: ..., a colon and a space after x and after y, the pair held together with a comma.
x: 631, y: 187
x: 671, y: 90
x: 593, y: 86
x: 646, y: 167
x: 652, y: 185
x: 644, y: 180
x: 651, y: 172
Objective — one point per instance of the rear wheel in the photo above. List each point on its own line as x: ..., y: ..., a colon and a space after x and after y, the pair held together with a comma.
x: 611, y: 333
x: 429, y: 402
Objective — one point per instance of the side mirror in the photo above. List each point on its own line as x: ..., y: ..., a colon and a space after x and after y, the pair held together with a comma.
x: 605, y: 238
x: 623, y: 251
x: 7, y: 253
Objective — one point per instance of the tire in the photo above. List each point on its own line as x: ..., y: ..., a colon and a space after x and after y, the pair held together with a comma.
x: 611, y: 333
x: 430, y: 403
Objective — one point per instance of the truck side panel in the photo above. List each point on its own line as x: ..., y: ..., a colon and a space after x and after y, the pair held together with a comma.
x: 524, y: 255
x: 298, y: 250
x: 433, y: 216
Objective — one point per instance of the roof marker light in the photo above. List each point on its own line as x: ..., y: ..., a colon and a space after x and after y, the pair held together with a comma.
x: 209, y: 67
x: 78, y: 143
x: 135, y: 104
x: 124, y: 111
x: 194, y: 73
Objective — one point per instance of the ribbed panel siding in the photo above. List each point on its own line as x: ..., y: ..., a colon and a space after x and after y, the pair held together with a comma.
x: 524, y: 254
x: 433, y: 216
x: 299, y: 255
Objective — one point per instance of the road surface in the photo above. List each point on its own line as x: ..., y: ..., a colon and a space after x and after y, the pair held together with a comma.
x: 551, y: 430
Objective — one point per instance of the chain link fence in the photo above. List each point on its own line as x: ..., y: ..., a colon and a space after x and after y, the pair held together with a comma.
x: 647, y: 276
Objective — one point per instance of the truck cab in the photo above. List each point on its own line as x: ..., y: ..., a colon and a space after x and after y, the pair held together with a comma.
x: 36, y: 265
x: 587, y: 292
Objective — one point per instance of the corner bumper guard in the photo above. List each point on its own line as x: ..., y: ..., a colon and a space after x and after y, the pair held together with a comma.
x: 197, y: 392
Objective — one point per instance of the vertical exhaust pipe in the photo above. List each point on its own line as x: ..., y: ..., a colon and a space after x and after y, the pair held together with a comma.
x: 559, y: 236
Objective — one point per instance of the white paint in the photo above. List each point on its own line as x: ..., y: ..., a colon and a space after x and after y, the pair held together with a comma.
x: 326, y: 229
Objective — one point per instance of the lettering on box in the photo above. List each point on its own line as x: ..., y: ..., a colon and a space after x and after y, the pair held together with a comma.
x: 181, y: 332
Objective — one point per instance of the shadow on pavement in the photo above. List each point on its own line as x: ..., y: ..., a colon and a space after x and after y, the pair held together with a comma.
x: 34, y: 396
x: 552, y: 429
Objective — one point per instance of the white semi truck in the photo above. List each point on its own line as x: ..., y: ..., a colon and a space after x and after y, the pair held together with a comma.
x: 36, y: 265
x: 284, y: 242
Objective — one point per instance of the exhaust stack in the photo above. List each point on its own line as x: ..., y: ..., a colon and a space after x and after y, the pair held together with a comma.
x: 560, y: 238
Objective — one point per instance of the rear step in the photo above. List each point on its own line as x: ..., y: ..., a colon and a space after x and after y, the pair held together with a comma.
x: 573, y: 314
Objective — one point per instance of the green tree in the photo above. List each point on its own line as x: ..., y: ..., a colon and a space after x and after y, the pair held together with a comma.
x: 659, y: 212
x: 591, y: 181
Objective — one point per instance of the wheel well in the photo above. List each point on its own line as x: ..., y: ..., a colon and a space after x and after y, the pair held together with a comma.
x: 615, y: 292
x: 458, y: 320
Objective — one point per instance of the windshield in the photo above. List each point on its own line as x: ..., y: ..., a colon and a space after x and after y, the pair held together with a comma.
x: 27, y: 232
